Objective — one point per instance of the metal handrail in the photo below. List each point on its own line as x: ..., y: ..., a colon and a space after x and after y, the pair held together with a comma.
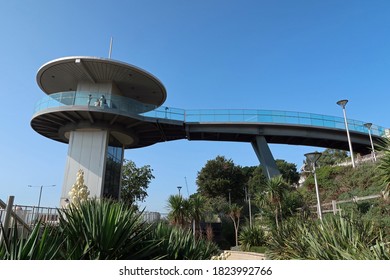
x: 16, y: 217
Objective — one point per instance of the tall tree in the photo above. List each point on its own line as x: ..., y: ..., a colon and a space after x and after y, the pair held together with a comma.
x: 235, y: 214
x: 272, y: 196
x: 135, y: 182
x: 221, y: 177
x: 288, y: 171
x: 179, y: 210
x: 257, y: 180
x: 198, y: 206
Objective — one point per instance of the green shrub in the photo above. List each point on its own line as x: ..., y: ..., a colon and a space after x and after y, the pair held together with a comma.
x: 176, y: 243
x: 336, y: 238
x: 251, y: 236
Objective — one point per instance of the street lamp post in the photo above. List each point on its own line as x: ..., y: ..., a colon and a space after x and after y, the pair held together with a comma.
x: 179, y: 188
x: 342, y: 103
x: 40, y: 192
x: 250, y: 209
x: 368, y: 126
x: 311, y: 159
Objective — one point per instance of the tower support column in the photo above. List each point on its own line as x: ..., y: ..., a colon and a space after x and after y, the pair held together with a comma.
x: 87, y: 151
x: 267, y: 161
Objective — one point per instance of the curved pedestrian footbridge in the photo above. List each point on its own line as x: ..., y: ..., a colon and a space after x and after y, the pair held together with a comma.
x: 136, y: 126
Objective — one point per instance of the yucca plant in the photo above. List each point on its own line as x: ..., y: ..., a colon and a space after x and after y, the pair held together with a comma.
x: 336, y: 238
x: 251, y: 237
x: 43, y: 243
x: 104, y: 229
x: 384, y: 164
x: 287, y: 242
x: 180, y: 244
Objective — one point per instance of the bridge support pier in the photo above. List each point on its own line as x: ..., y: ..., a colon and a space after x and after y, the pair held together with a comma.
x: 267, y: 161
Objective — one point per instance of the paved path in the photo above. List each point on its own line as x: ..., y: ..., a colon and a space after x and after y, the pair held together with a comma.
x: 237, y: 255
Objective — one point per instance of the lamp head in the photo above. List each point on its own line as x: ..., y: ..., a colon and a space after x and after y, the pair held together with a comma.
x: 368, y: 125
x: 313, y: 157
x: 342, y: 102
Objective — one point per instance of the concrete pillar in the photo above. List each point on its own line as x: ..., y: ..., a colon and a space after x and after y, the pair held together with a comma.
x: 267, y: 161
x: 87, y: 151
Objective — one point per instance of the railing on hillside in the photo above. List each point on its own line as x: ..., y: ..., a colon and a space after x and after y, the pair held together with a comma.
x: 361, y: 159
x: 332, y: 207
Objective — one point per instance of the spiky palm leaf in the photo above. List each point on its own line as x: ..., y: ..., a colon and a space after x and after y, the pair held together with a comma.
x: 336, y: 238
x: 43, y: 243
x: 273, y: 196
x: 104, y: 230
x: 179, y: 210
x: 180, y: 244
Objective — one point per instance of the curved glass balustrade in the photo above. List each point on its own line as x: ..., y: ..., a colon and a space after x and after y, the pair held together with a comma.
x: 99, y: 100
x: 261, y: 116
x: 129, y: 106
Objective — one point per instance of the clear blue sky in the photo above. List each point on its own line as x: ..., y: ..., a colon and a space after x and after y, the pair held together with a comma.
x: 261, y: 54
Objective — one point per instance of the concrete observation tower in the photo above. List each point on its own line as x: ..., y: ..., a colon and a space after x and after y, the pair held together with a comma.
x: 93, y: 104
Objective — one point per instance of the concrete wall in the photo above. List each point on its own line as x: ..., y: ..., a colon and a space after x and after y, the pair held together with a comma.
x: 87, y: 151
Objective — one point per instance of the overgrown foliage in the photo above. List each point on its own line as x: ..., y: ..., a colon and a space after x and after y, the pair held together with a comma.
x: 332, y: 157
x: 43, y: 243
x: 384, y: 166
x: 104, y: 230
x: 180, y: 244
x: 251, y: 237
x: 336, y: 238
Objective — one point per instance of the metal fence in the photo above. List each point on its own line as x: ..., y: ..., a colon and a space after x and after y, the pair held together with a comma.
x: 25, y: 217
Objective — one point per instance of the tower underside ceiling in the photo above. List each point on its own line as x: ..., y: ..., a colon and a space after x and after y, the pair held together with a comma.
x: 132, y: 132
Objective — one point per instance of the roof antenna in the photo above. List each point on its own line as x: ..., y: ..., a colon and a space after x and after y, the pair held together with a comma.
x: 110, y: 51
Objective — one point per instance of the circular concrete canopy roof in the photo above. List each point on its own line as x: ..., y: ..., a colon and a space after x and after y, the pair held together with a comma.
x: 64, y: 74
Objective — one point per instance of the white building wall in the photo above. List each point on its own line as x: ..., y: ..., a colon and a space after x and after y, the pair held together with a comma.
x: 86, y: 151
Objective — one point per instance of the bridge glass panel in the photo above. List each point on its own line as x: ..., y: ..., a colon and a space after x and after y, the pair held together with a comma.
x: 251, y: 116
x: 329, y: 123
x: 265, y: 118
x: 316, y: 120
x: 292, y: 120
x: 278, y: 119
